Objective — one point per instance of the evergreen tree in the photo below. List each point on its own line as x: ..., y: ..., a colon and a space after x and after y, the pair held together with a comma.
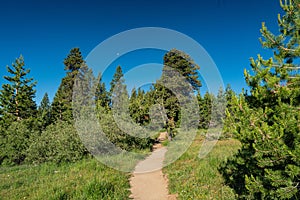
x: 62, y: 103
x: 116, y: 77
x: 137, y: 107
x: 185, y: 65
x: 17, y: 111
x: 143, y: 117
x: 117, y: 123
x: 118, y: 90
x: 16, y: 97
x: 134, y: 106
x: 175, y: 61
x: 133, y: 95
x: 44, y: 112
x: 101, y: 96
x: 266, y: 121
x: 229, y: 94
x: 218, y: 109
x: 116, y: 117
x: 152, y: 115
x: 205, y: 107
x: 84, y: 95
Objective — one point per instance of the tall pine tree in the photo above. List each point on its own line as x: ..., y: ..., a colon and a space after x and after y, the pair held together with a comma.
x: 266, y: 121
x: 17, y: 111
x: 116, y: 78
x: 101, y: 96
x: 44, y: 112
x: 17, y: 96
x: 218, y: 109
x: 116, y: 122
x: 205, y: 109
x: 62, y: 103
x: 175, y: 61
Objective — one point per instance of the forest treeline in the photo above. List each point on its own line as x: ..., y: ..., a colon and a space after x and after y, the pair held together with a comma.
x: 35, y: 134
x: 265, y: 120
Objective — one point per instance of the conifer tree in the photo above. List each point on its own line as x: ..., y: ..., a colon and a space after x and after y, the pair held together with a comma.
x: 266, y: 121
x: 218, y: 109
x: 117, y: 102
x: 44, y: 112
x: 116, y: 77
x: 62, y: 103
x: 143, y: 117
x: 205, y: 106
x: 175, y: 61
x: 17, y: 96
x: 138, y: 107
x: 117, y: 123
x: 101, y: 95
x: 134, y: 106
x: 229, y: 94
x: 185, y: 65
x: 17, y: 111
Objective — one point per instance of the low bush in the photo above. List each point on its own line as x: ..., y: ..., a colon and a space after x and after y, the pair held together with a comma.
x: 58, y: 143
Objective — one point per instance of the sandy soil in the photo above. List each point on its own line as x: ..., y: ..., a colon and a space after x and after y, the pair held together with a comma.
x: 148, y: 182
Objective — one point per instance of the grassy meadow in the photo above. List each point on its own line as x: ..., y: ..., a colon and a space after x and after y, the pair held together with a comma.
x: 86, y: 179
x: 194, y: 178
x: 189, y: 177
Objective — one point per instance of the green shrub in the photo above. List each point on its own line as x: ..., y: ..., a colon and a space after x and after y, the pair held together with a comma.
x: 58, y: 143
x: 120, y: 138
x: 14, y: 143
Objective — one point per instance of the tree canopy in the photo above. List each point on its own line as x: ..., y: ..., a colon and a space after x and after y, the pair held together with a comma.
x: 266, y: 121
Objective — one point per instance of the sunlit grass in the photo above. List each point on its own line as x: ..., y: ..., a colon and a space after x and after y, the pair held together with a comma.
x: 125, y: 161
x: 193, y: 178
x: 86, y: 179
x: 189, y: 177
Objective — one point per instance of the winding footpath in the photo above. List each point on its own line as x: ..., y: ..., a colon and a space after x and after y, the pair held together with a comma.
x: 148, y: 181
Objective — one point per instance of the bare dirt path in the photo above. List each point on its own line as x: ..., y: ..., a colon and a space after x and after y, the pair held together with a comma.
x: 148, y: 182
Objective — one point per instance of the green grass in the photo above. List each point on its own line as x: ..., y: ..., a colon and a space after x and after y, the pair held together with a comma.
x: 125, y: 161
x: 86, y: 179
x: 189, y: 177
x: 193, y: 178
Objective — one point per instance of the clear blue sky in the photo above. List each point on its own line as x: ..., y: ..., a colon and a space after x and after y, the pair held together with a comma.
x: 44, y: 31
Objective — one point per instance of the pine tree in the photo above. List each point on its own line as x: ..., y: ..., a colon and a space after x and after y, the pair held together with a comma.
x: 175, y: 61
x: 116, y: 78
x: 84, y: 102
x: 16, y: 97
x: 184, y: 64
x: 134, y: 106
x: 101, y: 95
x: 143, y: 117
x: 118, y: 90
x: 138, y: 107
x: 17, y: 111
x: 117, y: 123
x: 153, y: 116
x: 229, y: 94
x: 205, y: 107
x: 62, y: 103
x: 266, y: 121
x: 119, y: 97
x: 116, y: 116
x: 44, y: 112
x: 218, y: 109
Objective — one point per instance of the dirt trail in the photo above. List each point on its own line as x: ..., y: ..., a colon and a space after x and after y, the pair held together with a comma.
x: 148, y: 182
